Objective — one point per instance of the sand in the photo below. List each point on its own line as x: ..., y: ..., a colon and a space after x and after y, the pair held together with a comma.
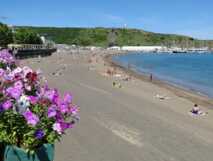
x: 128, y: 122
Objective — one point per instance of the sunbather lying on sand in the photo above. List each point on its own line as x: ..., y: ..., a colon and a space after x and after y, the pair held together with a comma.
x: 162, y: 97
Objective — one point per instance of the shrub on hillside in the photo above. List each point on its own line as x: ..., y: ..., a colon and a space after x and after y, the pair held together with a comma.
x: 6, y: 35
x: 23, y: 36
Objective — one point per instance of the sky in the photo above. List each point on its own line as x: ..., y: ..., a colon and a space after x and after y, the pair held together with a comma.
x: 186, y: 17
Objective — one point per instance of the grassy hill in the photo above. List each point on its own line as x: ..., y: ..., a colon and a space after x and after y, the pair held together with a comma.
x: 114, y: 36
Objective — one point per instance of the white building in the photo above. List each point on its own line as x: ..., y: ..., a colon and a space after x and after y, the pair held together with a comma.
x: 114, y: 48
x: 144, y: 48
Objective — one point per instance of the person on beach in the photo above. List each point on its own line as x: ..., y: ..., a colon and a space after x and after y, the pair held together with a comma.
x: 129, y: 66
x: 197, y: 111
x: 150, y: 77
x: 109, y: 72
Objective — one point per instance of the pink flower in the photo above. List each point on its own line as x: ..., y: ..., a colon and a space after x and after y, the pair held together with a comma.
x: 67, y: 98
x: 6, y: 58
x: 74, y: 110
x: 51, y: 111
x: 63, y: 107
x: 14, y: 92
x: 18, y: 85
x: 32, y: 77
x: 8, y: 77
x: 7, y: 105
x: 31, y: 118
x: 51, y: 95
x: 33, y: 99
x: 65, y: 125
x: 17, y: 71
x: 61, y: 126
x: 57, y: 127
x: 27, y: 87
x: 26, y: 70
x: 1, y: 72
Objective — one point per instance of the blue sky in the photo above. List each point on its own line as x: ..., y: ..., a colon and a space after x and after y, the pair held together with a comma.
x: 188, y: 17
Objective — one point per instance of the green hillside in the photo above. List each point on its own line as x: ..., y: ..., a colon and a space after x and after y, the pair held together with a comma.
x: 116, y: 36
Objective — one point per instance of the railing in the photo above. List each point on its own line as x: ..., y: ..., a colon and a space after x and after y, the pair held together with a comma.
x: 31, y: 50
x: 22, y: 47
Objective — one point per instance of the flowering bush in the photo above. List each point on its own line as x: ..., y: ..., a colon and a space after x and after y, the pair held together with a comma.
x: 31, y: 113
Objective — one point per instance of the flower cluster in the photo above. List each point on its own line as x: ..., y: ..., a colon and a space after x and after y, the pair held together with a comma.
x: 31, y: 113
x: 6, y: 59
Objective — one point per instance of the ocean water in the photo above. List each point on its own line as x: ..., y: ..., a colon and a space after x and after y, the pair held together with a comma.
x: 190, y: 71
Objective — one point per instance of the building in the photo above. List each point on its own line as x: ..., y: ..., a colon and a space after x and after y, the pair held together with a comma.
x: 114, y: 48
x: 144, y: 48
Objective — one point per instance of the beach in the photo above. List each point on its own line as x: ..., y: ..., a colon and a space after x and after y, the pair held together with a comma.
x: 179, y: 90
x: 122, y: 117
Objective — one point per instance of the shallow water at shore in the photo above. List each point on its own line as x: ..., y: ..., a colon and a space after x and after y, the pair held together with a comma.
x: 191, y: 71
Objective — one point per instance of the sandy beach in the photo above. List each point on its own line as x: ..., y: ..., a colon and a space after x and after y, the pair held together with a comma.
x: 191, y: 95
x: 128, y: 120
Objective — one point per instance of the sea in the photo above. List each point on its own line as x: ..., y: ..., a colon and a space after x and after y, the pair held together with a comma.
x: 191, y: 71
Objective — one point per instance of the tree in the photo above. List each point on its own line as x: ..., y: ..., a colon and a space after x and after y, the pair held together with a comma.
x: 112, y: 36
x: 85, y: 41
x: 23, y: 36
x: 6, y: 35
